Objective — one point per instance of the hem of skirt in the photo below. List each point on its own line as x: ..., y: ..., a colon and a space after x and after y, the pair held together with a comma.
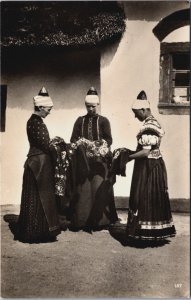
x: 137, y: 232
x: 156, y: 227
x: 150, y: 238
x: 48, y: 237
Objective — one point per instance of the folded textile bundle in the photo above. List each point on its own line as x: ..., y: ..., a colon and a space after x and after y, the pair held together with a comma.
x: 60, y: 154
x: 119, y: 161
x: 70, y: 163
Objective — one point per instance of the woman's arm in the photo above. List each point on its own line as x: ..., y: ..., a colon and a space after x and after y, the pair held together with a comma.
x: 106, y: 128
x: 76, y: 133
x: 140, y: 154
x: 146, y: 140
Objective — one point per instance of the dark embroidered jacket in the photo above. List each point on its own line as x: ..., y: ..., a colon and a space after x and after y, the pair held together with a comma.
x: 38, y: 136
x: 92, y: 128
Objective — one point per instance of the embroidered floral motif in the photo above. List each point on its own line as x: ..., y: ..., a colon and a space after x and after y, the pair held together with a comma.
x: 61, y: 165
x: 155, y: 154
x: 151, y: 124
x: 94, y: 148
x: 90, y: 135
x: 149, y: 137
x: 64, y: 153
x: 116, y: 154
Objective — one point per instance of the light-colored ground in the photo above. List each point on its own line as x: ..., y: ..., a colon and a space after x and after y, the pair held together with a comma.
x: 101, y: 264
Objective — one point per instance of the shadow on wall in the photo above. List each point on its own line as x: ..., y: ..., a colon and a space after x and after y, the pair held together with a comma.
x: 151, y: 10
x: 108, y: 53
x: 67, y: 75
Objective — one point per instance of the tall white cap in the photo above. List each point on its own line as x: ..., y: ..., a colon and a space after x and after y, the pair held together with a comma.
x: 92, y: 96
x: 43, y: 99
x: 141, y: 101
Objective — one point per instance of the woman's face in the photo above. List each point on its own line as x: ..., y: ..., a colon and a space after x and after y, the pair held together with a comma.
x: 139, y: 114
x: 45, y: 111
x: 91, y: 109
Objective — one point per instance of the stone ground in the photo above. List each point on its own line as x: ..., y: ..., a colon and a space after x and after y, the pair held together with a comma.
x: 97, y: 265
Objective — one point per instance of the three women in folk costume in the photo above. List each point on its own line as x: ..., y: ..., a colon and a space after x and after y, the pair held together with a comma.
x: 87, y: 162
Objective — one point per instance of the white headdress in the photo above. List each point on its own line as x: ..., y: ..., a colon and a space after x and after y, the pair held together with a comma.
x: 92, y: 96
x: 43, y: 99
x: 141, y: 101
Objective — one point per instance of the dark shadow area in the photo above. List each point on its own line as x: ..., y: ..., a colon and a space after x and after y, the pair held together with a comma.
x: 88, y: 229
x: 151, y: 10
x: 118, y: 232
x: 62, y: 69
x: 108, y: 52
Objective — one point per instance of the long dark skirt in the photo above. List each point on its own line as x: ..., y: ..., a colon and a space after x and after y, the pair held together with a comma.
x: 149, y: 214
x: 93, y: 204
x: 32, y: 225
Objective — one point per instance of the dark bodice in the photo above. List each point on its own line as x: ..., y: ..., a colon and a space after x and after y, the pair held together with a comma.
x: 38, y: 135
x: 92, y: 128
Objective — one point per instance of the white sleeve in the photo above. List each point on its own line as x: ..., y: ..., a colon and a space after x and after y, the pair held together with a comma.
x: 148, y: 140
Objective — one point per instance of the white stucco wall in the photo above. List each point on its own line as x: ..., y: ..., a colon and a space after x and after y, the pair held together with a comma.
x: 133, y: 67
x: 67, y: 77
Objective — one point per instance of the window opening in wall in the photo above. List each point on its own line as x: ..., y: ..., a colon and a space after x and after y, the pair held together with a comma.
x: 174, y: 96
x: 180, y: 78
x: 3, y: 106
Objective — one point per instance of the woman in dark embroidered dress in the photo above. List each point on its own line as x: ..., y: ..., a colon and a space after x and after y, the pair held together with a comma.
x: 38, y: 219
x: 149, y: 216
x: 93, y: 204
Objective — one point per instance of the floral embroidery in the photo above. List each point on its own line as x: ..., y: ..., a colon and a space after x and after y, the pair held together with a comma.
x: 64, y: 153
x: 152, y: 124
x: 149, y: 137
x: 90, y: 135
x: 94, y: 148
x: 61, y: 165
